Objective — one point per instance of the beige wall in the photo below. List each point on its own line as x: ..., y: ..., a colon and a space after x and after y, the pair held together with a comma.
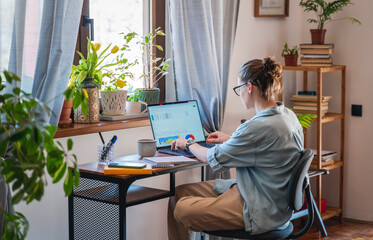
x: 256, y: 38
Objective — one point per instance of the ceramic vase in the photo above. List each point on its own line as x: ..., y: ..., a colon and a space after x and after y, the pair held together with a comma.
x: 113, y: 102
x: 93, y: 113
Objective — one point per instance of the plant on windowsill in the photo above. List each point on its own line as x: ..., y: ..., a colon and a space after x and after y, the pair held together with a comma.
x: 290, y: 55
x: 153, y: 68
x: 323, y: 11
x: 86, y: 79
x: 28, y: 153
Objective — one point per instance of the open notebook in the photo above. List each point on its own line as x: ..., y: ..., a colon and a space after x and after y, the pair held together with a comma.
x: 168, y: 161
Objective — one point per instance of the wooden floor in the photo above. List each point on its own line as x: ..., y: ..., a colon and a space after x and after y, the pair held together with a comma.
x: 349, y: 229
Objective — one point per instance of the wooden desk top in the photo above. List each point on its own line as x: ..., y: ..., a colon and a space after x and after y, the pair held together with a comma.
x: 95, y: 168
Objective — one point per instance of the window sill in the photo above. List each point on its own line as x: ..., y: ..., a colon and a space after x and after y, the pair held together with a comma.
x: 76, y: 129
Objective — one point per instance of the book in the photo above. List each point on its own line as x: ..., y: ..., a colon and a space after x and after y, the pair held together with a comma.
x: 310, y: 45
x: 314, y: 104
x: 169, y: 160
x: 317, y: 64
x: 129, y: 171
x: 316, y: 51
x: 309, y: 112
x: 315, y: 60
x: 323, y: 163
x: 304, y: 98
x: 310, y: 108
x: 325, y: 154
x: 323, y: 56
x: 309, y: 93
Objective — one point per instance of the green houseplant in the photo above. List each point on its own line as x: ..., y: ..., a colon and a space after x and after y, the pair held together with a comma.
x: 134, y: 103
x: 86, y: 79
x: 28, y: 153
x: 323, y: 11
x: 290, y: 55
x: 154, y: 68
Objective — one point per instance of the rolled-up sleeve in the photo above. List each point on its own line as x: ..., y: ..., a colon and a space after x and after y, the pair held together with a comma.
x: 238, y: 151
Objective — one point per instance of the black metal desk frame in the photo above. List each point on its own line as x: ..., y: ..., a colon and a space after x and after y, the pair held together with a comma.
x: 97, y: 208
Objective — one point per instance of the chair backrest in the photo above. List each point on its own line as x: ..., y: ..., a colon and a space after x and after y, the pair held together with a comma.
x: 299, y: 180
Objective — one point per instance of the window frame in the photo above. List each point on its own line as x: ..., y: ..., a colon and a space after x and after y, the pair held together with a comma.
x: 158, y: 15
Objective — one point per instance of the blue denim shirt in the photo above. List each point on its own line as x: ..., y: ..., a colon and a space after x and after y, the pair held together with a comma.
x: 263, y: 150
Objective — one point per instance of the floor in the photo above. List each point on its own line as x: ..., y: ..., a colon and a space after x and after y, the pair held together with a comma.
x: 349, y: 229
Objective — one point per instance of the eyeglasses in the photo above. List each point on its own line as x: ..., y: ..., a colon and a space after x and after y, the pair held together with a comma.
x: 237, y: 89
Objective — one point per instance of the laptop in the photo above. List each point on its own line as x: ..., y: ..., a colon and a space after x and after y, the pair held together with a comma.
x: 170, y: 121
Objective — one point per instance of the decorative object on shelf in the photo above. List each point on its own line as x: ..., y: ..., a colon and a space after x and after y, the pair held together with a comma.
x: 153, y: 68
x: 290, y: 55
x: 65, y: 119
x: 86, y: 79
x: 323, y: 10
x: 317, y: 55
x: 113, y: 102
x: 271, y: 8
x: 28, y: 153
x: 134, y: 105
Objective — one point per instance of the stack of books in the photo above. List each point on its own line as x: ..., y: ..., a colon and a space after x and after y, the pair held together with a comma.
x: 326, y: 158
x: 308, y: 104
x: 318, y: 55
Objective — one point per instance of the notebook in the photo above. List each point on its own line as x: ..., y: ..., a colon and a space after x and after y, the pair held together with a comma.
x: 170, y: 121
x: 116, y: 171
x: 169, y: 160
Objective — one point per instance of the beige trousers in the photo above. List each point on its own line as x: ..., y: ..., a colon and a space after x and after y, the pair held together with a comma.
x: 196, y: 207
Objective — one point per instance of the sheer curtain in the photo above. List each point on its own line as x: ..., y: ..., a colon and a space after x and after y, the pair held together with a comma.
x: 202, y: 34
x: 41, y: 36
x: 42, y: 50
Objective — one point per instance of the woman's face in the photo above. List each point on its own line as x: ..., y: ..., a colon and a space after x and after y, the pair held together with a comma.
x: 245, y: 94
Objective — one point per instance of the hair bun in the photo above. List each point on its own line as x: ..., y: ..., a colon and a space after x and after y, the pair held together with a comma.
x: 271, y: 68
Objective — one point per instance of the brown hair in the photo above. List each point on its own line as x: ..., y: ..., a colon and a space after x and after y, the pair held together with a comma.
x: 265, y: 74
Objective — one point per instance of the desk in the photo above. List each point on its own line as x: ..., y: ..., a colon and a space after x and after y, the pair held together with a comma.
x: 97, y: 208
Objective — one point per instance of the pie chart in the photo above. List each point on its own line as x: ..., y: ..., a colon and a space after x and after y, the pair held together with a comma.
x: 189, y: 136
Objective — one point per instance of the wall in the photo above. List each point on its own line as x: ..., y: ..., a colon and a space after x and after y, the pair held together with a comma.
x: 260, y: 37
x: 256, y: 38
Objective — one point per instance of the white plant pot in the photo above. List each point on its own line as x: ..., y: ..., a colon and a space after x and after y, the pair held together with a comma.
x: 113, y: 103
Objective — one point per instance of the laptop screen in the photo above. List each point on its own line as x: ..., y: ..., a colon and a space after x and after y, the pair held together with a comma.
x: 171, y: 121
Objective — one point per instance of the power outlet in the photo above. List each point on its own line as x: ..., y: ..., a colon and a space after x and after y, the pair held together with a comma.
x: 357, y: 110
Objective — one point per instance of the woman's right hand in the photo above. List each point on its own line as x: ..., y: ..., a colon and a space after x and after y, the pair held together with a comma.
x: 217, y: 137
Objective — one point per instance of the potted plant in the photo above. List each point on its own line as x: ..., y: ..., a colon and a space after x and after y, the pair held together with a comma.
x: 85, y: 80
x: 290, y: 55
x: 153, y: 68
x: 28, y: 153
x: 323, y: 11
x: 134, y: 105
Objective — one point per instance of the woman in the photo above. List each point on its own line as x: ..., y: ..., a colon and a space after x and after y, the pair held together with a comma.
x: 263, y: 150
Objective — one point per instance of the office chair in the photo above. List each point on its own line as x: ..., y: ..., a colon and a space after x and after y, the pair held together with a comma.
x: 298, y: 185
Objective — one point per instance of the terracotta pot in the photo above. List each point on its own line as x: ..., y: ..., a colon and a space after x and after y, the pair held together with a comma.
x: 65, y: 113
x: 291, y: 60
x: 318, y: 36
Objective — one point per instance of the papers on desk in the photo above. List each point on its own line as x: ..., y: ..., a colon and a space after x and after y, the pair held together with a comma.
x: 168, y: 161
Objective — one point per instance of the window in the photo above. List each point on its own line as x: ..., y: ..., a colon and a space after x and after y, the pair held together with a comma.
x: 112, y: 17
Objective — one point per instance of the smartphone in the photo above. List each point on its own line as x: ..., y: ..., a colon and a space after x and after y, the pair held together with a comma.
x: 126, y: 165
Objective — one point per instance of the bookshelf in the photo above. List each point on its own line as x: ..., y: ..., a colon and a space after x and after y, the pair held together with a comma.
x: 320, y: 120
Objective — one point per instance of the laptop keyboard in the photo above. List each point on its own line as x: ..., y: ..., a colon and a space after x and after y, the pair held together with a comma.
x: 182, y: 152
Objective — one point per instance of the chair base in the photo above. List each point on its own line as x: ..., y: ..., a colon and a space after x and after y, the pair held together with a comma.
x: 271, y: 235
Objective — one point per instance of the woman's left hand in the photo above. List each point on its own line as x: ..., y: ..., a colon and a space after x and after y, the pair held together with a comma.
x: 178, y: 144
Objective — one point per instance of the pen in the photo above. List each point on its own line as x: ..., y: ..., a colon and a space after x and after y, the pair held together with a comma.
x: 102, y: 140
x: 108, y: 146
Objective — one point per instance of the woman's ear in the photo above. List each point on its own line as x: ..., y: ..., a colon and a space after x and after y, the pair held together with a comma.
x: 250, y: 88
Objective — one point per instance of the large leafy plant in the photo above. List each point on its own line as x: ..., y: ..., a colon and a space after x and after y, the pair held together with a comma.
x: 323, y: 11
x: 153, y: 68
x: 92, y: 66
x: 28, y: 153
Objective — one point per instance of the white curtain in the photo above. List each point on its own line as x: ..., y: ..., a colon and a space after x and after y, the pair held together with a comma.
x: 42, y: 41
x: 201, y: 35
x: 43, y: 46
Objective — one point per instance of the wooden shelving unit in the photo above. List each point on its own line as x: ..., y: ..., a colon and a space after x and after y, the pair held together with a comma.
x: 328, y: 117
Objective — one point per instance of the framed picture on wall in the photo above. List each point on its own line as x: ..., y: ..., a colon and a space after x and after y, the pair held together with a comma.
x: 271, y: 8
